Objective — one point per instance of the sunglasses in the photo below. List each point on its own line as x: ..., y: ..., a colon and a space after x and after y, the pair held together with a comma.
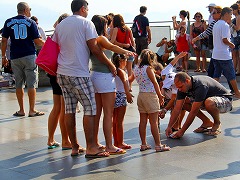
x: 197, y: 16
x: 121, y: 56
x: 216, y: 12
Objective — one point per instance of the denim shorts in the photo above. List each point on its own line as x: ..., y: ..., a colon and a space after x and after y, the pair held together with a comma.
x: 224, y: 67
x: 25, y: 71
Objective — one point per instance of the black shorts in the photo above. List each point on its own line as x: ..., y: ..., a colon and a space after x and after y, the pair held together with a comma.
x: 55, y: 86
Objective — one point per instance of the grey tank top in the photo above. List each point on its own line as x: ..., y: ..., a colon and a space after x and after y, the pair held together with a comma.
x: 98, y: 66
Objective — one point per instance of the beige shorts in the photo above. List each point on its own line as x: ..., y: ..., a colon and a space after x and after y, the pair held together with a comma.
x: 148, y: 102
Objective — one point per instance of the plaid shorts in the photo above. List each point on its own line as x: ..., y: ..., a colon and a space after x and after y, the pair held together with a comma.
x: 77, y: 89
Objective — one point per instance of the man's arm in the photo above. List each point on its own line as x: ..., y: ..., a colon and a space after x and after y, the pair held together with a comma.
x: 94, y: 48
x: 4, y: 48
x: 174, y: 116
x: 149, y: 34
x: 39, y: 41
x: 228, y: 43
x: 192, y: 114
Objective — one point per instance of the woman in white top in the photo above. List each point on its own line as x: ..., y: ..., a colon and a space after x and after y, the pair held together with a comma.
x: 184, y: 15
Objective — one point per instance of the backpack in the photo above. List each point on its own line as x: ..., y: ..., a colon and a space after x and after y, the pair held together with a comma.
x: 136, y: 28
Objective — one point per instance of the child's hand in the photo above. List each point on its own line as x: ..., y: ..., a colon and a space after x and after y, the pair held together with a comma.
x: 162, y: 113
x: 129, y: 97
x: 161, y: 100
x: 182, y: 54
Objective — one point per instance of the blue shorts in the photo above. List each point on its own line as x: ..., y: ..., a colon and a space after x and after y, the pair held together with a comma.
x: 224, y: 67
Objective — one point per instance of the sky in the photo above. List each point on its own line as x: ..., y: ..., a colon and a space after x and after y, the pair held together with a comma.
x: 47, y: 11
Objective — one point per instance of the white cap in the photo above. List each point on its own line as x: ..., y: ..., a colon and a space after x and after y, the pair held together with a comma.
x: 211, y: 5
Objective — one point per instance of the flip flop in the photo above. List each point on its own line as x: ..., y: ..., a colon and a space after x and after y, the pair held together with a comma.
x: 54, y: 145
x: 201, y: 129
x: 97, y: 155
x: 18, y: 115
x: 37, y: 113
x: 145, y: 147
x: 118, y: 151
x: 66, y: 148
x: 211, y: 132
x: 162, y: 148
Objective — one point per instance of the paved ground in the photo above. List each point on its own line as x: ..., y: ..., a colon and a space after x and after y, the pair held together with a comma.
x: 24, y: 153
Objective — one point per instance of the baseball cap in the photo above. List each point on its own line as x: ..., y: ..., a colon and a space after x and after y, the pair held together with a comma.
x: 211, y: 5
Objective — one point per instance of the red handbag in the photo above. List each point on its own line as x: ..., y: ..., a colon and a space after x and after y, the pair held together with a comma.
x: 47, y: 57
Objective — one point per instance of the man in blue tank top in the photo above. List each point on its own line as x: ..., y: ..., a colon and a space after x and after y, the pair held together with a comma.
x: 23, y: 33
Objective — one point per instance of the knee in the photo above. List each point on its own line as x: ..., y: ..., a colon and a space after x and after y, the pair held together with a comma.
x: 209, y: 104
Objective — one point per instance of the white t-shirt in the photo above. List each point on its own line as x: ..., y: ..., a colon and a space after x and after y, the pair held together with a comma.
x: 72, y: 35
x: 42, y: 33
x: 221, y: 51
x: 168, y: 82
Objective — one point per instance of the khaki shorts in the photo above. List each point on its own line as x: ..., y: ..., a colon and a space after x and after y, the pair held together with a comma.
x: 148, y: 102
x: 25, y: 71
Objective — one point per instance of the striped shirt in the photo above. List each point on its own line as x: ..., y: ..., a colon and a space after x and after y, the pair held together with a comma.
x: 208, y: 31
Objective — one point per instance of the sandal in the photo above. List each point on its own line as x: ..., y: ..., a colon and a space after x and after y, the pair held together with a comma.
x: 202, y: 129
x: 145, y: 147
x: 211, y: 132
x: 197, y: 70
x: 204, y: 70
x: 162, y: 148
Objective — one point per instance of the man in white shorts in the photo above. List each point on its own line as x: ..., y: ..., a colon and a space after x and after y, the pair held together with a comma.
x: 75, y: 36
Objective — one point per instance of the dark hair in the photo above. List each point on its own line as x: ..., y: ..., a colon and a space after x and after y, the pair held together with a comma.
x: 100, y: 24
x: 157, y: 66
x: 198, y: 13
x: 225, y: 11
x: 116, y: 59
x: 235, y: 7
x: 76, y: 5
x: 182, y: 27
x: 143, y: 9
x: 185, y: 14
x: 182, y: 77
x: 109, y: 19
x: 118, y: 21
x: 111, y: 14
x: 62, y: 17
x: 34, y: 18
x: 147, y: 57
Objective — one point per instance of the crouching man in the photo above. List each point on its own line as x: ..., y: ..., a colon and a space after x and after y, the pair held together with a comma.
x: 195, y: 93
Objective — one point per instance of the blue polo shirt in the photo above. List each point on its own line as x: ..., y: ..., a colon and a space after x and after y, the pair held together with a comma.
x: 22, y: 31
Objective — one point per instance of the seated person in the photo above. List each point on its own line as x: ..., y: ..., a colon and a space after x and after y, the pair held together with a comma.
x: 165, y: 48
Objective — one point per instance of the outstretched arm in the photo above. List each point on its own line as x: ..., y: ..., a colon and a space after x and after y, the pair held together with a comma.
x: 175, y: 60
x: 106, y: 44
